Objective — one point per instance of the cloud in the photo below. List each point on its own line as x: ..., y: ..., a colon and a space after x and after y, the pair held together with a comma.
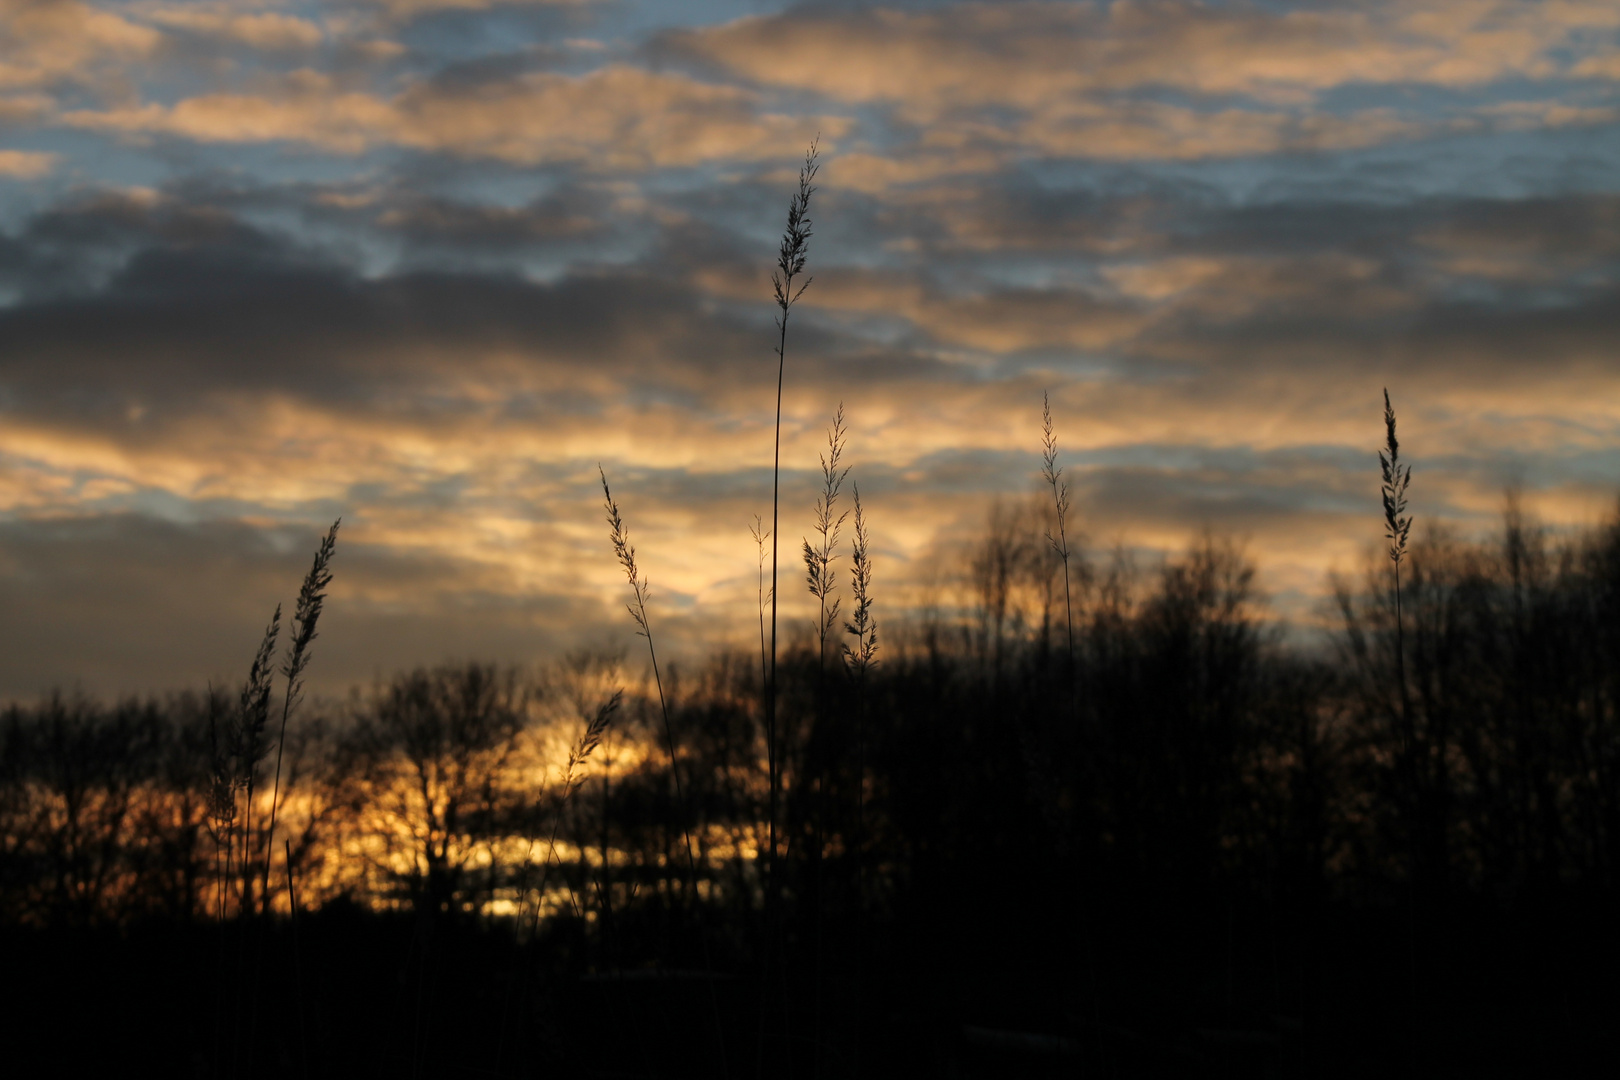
x: 963, y: 90
x: 128, y: 603
x: 1601, y: 66
x: 1028, y: 54
x: 1150, y: 130
x: 614, y: 118
x: 44, y: 42
x: 570, y: 265
x: 1542, y: 240
x: 464, y: 227
x: 269, y: 30
x: 20, y: 108
x: 404, y: 10
x: 26, y: 164
x: 1165, y: 79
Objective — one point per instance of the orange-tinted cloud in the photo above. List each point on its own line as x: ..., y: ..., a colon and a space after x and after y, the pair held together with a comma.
x: 269, y: 30
x: 43, y: 42
x: 25, y: 164
x: 984, y: 83
x: 1029, y: 54
x: 614, y: 118
x: 1016, y: 199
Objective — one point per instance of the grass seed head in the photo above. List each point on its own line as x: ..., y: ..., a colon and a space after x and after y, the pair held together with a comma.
x: 626, y: 553
x: 796, y: 238
x: 861, y: 626
x: 1397, y: 522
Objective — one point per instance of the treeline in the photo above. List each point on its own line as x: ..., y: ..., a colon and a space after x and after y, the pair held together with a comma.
x: 1169, y: 784
x: 1177, y: 741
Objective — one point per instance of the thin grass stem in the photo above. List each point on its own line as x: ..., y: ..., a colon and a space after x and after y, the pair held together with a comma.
x: 311, y: 599
x: 626, y: 553
x: 1397, y: 527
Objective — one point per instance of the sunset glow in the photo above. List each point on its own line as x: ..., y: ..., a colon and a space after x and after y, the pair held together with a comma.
x: 424, y: 264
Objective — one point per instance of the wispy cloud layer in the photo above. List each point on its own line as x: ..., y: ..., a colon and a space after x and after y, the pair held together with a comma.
x: 426, y: 264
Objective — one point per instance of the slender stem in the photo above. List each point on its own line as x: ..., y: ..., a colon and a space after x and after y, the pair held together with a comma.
x: 311, y: 598
x: 770, y: 687
x: 790, y: 263
x: 1408, y: 738
x: 638, y: 585
x: 1068, y: 605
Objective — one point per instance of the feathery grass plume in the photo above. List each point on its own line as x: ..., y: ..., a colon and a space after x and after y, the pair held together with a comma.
x: 626, y: 553
x: 861, y: 625
x: 596, y: 726
x: 819, y: 575
x: 1397, y: 526
x: 307, y: 612
x: 790, y: 262
x: 589, y: 739
x: 822, y: 581
x: 1060, y: 503
x: 1397, y: 523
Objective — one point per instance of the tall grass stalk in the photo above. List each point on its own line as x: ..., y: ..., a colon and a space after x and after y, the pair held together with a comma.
x: 626, y: 553
x: 1397, y: 527
x: 858, y: 660
x: 822, y: 582
x: 790, y: 261
x: 1053, y: 475
x: 307, y: 612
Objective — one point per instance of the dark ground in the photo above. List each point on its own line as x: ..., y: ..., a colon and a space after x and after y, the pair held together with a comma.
x: 368, y: 995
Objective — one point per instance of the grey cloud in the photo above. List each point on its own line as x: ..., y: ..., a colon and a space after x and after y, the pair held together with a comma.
x: 126, y: 603
x: 565, y: 217
x: 238, y: 309
x: 127, y: 298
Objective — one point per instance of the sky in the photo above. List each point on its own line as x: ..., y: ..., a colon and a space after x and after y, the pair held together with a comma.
x: 425, y: 264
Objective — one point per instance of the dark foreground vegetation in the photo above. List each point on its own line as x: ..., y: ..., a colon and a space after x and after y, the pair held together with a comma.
x: 1175, y: 844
